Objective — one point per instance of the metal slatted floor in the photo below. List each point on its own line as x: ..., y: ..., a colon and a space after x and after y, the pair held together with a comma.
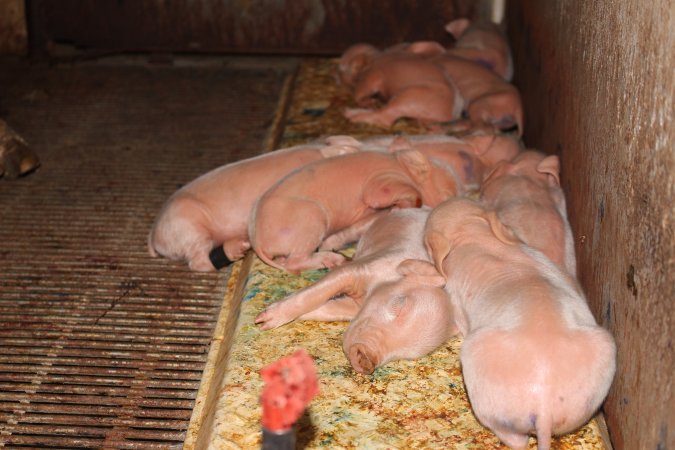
x: 102, y: 346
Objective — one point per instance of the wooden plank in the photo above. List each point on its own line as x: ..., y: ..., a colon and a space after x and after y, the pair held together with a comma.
x: 291, y: 26
x: 599, y: 88
x: 203, y: 415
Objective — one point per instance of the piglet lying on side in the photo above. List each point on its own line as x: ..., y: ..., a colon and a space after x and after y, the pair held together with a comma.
x: 534, y: 359
x: 470, y: 159
x: 396, y: 312
x: 404, y: 77
x: 489, y: 100
x: 482, y: 42
x: 294, y: 217
x: 213, y: 210
x: 527, y: 196
x: 473, y: 156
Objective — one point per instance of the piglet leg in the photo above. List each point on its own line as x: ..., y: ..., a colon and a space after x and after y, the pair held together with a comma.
x: 500, y: 109
x: 318, y: 260
x: 370, y: 86
x: 348, y: 235
x: 337, y: 309
x: 425, y: 103
x: 16, y: 158
x: 384, y: 192
x: 340, y: 281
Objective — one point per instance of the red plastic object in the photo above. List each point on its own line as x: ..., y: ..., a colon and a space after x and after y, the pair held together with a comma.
x: 290, y: 384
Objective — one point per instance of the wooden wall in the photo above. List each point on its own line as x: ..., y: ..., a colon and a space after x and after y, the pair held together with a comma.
x: 262, y: 26
x: 598, y: 83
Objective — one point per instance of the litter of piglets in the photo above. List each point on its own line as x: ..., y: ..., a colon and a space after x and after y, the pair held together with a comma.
x: 463, y: 233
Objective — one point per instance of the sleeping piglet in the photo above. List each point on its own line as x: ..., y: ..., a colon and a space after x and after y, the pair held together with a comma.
x: 396, y: 312
x: 353, y: 61
x: 483, y: 42
x: 470, y: 159
x: 534, y: 359
x: 489, y: 100
x: 213, y: 210
x: 526, y: 195
x: 292, y: 219
x: 472, y: 156
x: 404, y: 77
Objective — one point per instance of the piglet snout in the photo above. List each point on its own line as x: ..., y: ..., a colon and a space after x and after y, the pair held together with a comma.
x: 362, y: 359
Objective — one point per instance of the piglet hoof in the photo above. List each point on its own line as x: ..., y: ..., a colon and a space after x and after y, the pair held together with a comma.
x: 331, y: 259
x: 361, y: 359
x: 505, y: 123
x: 271, y: 318
x: 16, y: 158
x: 331, y: 243
x: 235, y: 249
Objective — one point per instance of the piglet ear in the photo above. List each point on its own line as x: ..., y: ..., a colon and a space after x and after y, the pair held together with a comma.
x: 502, y: 231
x: 551, y: 167
x: 416, y: 163
x: 438, y: 248
x: 399, y: 143
x: 457, y: 27
x: 362, y: 60
x: 422, y: 272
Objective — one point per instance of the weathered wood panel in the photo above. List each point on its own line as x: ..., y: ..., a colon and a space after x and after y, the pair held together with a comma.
x: 281, y: 26
x: 599, y: 88
x: 13, y: 35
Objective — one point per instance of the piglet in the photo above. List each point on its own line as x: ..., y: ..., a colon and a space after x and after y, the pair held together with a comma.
x: 404, y: 319
x: 468, y: 159
x: 488, y: 99
x: 396, y: 312
x: 534, y: 359
x: 213, y: 210
x: 472, y: 156
x: 527, y: 196
x: 353, y: 61
x: 292, y: 219
x: 483, y: 42
x: 405, y: 78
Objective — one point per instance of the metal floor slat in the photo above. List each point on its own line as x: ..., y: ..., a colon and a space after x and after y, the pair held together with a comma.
x: 102, y: 346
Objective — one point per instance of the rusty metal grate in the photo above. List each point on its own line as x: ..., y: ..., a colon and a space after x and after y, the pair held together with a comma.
x: 102, y: 346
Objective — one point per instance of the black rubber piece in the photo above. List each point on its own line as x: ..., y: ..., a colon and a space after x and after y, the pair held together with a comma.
x: 278, y: 440
x: 218, y: 258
